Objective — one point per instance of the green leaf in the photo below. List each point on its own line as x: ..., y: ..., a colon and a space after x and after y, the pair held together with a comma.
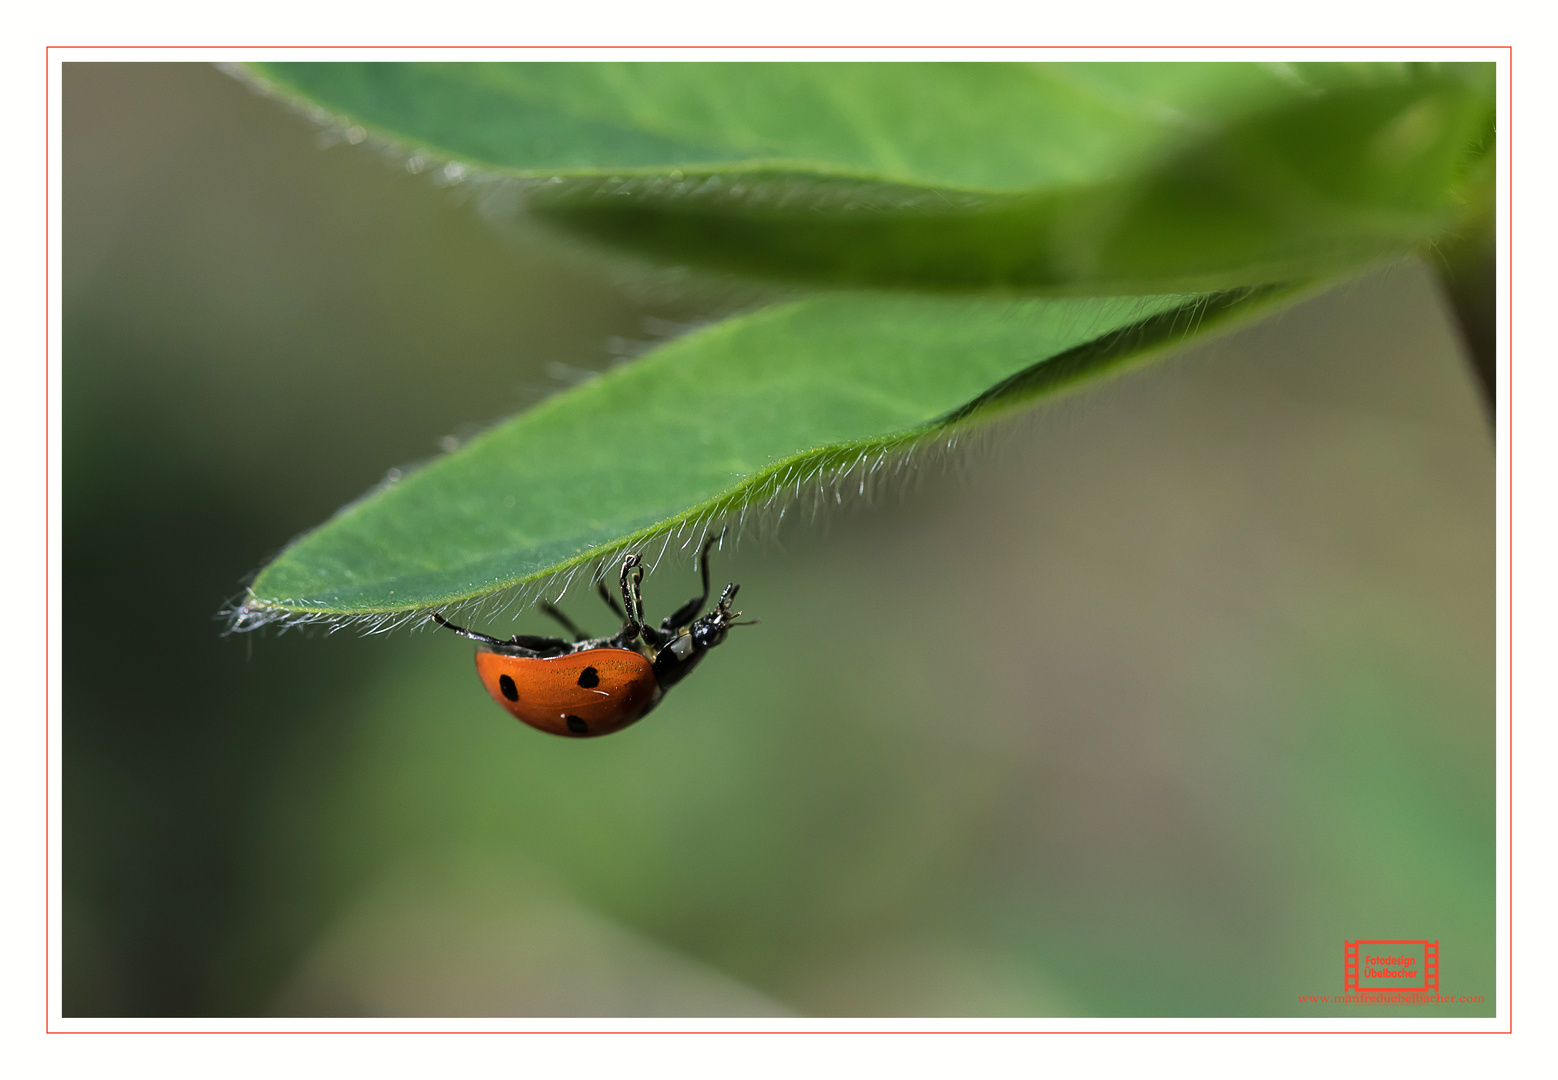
x: 757, y: 409
x: 1061, y: 178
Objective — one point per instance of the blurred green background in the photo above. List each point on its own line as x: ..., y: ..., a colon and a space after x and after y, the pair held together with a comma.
x: 1142, y: 707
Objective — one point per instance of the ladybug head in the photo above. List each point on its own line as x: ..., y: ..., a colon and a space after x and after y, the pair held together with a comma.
x: 677, y: 657
x: 710, y: 630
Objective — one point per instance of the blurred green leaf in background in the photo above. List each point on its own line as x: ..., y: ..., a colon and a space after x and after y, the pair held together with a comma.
x: 1072, y: 178
x: 1191, y: 683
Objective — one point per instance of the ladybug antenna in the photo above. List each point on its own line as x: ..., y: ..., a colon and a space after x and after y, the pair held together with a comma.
x: 462, y: 631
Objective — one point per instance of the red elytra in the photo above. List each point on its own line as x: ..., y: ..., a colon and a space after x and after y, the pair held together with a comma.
x: 595, y: 692
x: 595, y: 686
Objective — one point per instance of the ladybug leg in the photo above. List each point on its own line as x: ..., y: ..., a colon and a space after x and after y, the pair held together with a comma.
x: 632, y: 603
x: 463, y: 632
x: 564, y: 621
x: 536, y: 643
x: 631, y: 581
x: 689, y: 611
x: 546, y: 646
x: 611, y: 601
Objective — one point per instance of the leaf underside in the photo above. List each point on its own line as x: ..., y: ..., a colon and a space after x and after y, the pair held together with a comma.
x: 995, y: 234
x: 732, y: 416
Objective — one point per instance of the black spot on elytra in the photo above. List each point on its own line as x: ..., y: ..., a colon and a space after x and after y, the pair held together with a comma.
x: 589, y: 678
x: 510, y: 691
x: 576, y: 725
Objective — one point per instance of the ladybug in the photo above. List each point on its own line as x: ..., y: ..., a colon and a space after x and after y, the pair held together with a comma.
x: 595, y: 686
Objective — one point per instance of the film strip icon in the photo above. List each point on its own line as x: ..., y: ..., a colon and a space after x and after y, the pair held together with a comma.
x: 1430, y: 965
